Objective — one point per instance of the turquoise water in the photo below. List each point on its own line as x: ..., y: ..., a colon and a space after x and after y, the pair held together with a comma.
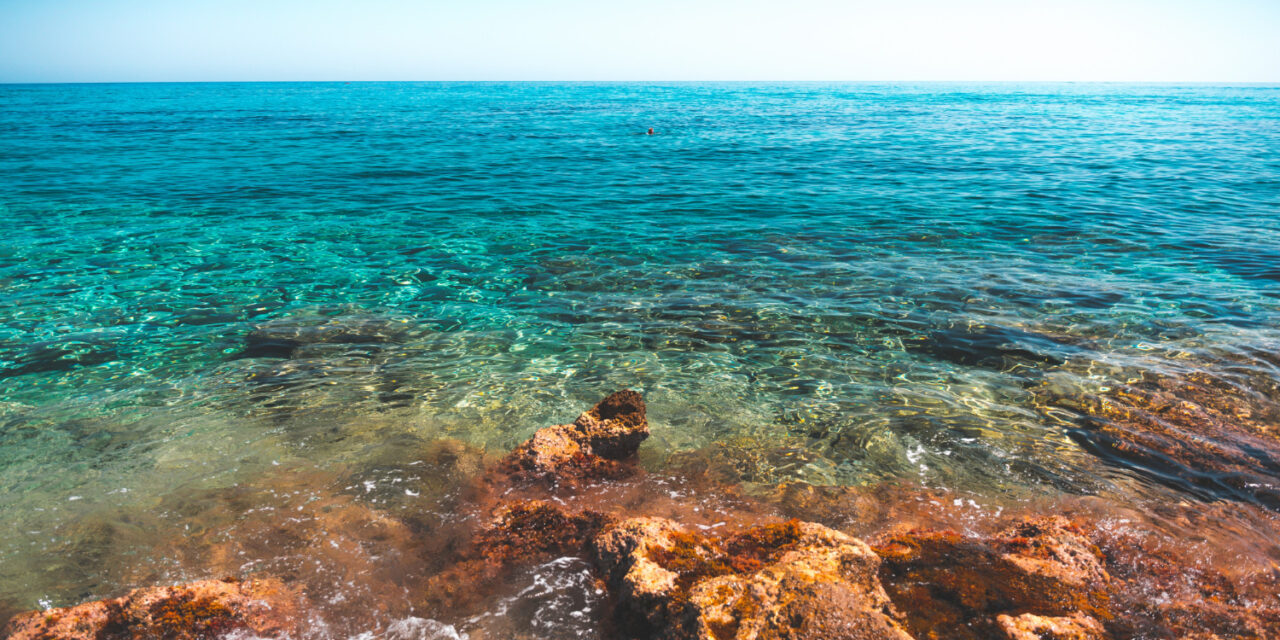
x: 837, y: 283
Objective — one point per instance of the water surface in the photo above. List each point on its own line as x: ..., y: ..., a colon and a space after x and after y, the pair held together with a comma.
x: 835, y: 283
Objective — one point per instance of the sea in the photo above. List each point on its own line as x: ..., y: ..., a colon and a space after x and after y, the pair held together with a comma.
x: 206, y: 286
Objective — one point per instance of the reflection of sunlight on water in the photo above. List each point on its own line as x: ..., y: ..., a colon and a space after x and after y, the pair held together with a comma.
x: 173, y: 392
x: 228, y: 483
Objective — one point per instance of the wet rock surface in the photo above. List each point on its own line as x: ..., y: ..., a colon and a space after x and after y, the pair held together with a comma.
x: 786, y: 580
x: 956, y: 586
x: 208, y: 609
x: 520, y: 535
x: 1029, y: 626
x: 567, y: 537
x: 598, y: 445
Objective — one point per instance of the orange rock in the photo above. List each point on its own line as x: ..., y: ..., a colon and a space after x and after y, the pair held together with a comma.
x: 525, y: 531
x: 792, y: 580
x: 207, y: 609
x: 616, y: 426
x: 594, y: 446
x: 1167, y: 589
x: 1032, y: 627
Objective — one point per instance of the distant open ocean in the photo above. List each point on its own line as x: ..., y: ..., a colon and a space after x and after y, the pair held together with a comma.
x: 836, y: 283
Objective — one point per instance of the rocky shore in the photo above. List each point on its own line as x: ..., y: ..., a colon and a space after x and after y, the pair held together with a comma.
x: 655, y: 566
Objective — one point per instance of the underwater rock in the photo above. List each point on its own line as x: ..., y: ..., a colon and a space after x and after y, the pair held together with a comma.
x: 1029, y: 626
x: 751, y: 460
x: 531, y: 529
x: 64, y: 354
x: 954, y: 586
x: 594, y: 446
x: 418, y: 479
x: 1198, y: 432
x: 265, y: 608
x: 356, y: 564
x: 284, y: 337
x: 995, y: 347
x: 790, y: 580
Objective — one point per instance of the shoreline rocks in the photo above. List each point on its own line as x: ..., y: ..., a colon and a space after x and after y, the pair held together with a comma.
x: 787, y: 580
x: 574, y: 497
x: 598, y: 445
x: 1199, y: 432
x: 263, y: 607
x: 946, y: 581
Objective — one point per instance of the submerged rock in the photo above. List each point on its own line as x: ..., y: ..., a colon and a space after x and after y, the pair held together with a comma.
x: 207, y: 609
x: 1167, y: 589
x: 995, y: 347
x: 791, y: 580
x: 63, y: 354
x: 520, y: 535
x: 284, y: 337
x: 1198, y: 431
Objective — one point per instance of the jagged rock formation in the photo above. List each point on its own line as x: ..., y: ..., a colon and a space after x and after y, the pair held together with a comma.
x: 595, y: 446
x: 207, y: 609
x: 787, y: 580
x: 955, y: 586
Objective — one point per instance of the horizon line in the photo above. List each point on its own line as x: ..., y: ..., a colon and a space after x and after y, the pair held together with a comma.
x: 439, y: 81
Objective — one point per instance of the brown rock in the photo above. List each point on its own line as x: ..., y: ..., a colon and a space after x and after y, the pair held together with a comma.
x: 1029, y: 626
x: 1206, y: 429
x: 1168, y: 589
x: 642, y: 587
x: 615, y: 427
x: 594, y: 446
x: 952, y: 586
x: 527, y: 530
x: 792, y: 580
x: 207, y: 609
x: 522, y: 534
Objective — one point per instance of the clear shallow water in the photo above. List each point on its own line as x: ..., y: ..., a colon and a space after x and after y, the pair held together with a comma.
x: 842, y: 284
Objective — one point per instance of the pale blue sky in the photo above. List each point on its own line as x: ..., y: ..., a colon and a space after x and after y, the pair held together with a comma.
x: 194, y: 40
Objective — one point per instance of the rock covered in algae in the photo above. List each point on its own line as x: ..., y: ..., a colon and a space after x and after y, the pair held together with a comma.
x: 207, y: 609
x: 954, y: 586
x: 596, y: 445
x: 1029, y: 626
x: 791, y: 580
x: 520, y: 534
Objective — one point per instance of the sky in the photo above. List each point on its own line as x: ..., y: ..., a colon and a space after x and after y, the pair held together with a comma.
x: 854, y: 40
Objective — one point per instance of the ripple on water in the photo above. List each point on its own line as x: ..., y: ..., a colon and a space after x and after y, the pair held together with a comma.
x: 839, y: 284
